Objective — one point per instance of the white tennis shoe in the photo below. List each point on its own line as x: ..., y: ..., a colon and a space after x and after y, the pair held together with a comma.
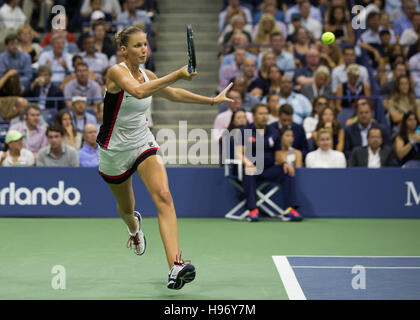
x: 139, y: 240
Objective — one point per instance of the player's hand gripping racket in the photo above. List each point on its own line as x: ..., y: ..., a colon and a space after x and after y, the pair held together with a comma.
x: 192, y: 64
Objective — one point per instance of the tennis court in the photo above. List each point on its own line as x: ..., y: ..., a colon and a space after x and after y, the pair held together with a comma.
x: 234, y: 260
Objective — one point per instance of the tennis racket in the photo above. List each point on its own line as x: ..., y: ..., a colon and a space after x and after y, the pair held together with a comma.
x: 192, y: 64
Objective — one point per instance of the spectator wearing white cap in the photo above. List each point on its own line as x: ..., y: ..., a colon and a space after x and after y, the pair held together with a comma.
x: 14, y: 153
x: 111, y: 7
x: 83, y: 86
x: 79, y: 115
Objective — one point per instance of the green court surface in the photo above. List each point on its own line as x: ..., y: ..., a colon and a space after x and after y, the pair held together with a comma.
x: 233, y: 259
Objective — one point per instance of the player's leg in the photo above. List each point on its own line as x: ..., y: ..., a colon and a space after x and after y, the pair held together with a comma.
x: 124, y: 195
x: 154, y: 176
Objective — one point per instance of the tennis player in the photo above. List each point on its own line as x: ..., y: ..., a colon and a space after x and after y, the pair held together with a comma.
x: 127, y: 145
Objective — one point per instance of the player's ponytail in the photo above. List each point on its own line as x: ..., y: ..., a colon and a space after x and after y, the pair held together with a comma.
x: 122, y: 36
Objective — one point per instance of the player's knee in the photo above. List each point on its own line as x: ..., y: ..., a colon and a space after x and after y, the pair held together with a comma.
x: 163, y: 196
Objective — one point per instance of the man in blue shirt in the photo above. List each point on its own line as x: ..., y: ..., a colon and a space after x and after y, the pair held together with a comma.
x: 13, y: 58
x: 403, y: 23
x: 274, y: 169
x: 89, y: 153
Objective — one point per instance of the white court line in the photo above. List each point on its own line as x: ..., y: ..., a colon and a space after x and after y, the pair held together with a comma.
x: 341, y: 267
x: 321, y: 256
x: 293, y: 289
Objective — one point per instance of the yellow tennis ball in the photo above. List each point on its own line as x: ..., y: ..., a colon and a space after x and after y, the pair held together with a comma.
x: 328, y: 37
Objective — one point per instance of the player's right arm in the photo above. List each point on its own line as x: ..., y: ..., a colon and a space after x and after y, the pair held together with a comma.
x: 119, y: 78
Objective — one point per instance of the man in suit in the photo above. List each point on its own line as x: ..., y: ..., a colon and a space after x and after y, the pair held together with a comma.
x: 286, y: 120
x: 356, y: 133
x: 42, y: 88
x: 374, y: 155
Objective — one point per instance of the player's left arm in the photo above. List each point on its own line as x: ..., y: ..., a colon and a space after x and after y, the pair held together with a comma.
x: 182, y: 95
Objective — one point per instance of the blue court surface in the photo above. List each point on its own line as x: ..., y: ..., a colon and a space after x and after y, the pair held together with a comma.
x: 350, y: 277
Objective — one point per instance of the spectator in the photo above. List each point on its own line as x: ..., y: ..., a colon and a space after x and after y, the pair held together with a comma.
x: 254, y: 84
x: 328, y: 120
x: 268, y: 60
x: 339, y: 74
x: 111, y: 7
x: 12, y: 108
x: 289, y: 154
x: 300, y: 47
x: 274, y: 106
x: 273, y: 82
x: 96, y: 60
x: 268, y: 6
x: 407, y: 142
x: 61, y: 28
x: 273, y: 170
x: 284, y: 59
x: 239, y: 40
x: 387, y: 89
x: 271, y: 8
x: 325, y: 156
x: 25, y: 42
x: 314, y: 12
x: 374, y: 155
x: 320, y: 86
x: 295, y: 24
x: 339, y: 25
x: 403, y: 23
x: 76, y: 60
x: 411, y: 36
x: 310, y: 123
x: 232, y: 9
x: 42, y: 88
x: 71, y: 136
x: 103, y: 43
x: 151, y: 6
x: 13, y: 58
x: 414, y: 63
x: 14, y: 154
x: 329, y: 54
x: 356, y: 134
x: 10, y: 84
x: 59, y: 60
x: 304, y: 76
x: 248, y: 100
x: 11, y: 15
x: 223, y: 119
x: 31, y: 128
x: 403, y: 100
x: 266, y: 27
x: 232, y: 70
x: 97, y: 16
x: 238, y: 120
x: 237, y: 24
x: 302, y: 107
x: 285, y: 117
x: 89, y: 153
x: 348, y: 93
x: 38, y: 14
x: 116, y: 58
x: 311, y: 24
x: 100, y: 115
x: 79, y: 115
x: 57, y: 154
x: 83, y: 86
x: 370, y: 39
x: 131, y: 15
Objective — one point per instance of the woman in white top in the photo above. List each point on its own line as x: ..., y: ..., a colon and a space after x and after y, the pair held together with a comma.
x: 127, y: 145
x: 310, y: 123
x: 14, y: 154
x: 325, y: 156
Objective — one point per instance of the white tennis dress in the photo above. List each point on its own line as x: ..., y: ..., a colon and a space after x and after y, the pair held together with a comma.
x: 124, y: 138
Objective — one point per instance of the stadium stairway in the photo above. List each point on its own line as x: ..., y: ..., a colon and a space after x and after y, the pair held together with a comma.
x: 172, y: 54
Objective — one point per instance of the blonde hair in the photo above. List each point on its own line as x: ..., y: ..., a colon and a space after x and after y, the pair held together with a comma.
x: 322, y: 69
x: 123, y: 36
x: 24, y: 27
x: 325, y: 130
x: 353, y: 69
x: 261, y: 35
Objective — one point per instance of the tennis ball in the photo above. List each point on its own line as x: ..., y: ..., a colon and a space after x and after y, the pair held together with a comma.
x: 328, y: 37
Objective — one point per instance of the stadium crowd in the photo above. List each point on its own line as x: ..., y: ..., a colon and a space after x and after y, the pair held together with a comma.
x: 363, y: 89
x: 351, y: 103
x: 53, y: 67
